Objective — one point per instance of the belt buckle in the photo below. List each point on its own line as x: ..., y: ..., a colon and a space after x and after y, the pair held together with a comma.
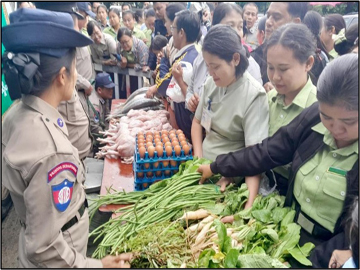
x: 305, y: 223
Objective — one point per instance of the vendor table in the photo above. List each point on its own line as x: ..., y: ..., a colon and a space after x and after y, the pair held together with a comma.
x: 118, y: 175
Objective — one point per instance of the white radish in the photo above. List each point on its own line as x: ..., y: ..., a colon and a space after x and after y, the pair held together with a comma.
x: 201, y: 235
x: 200, y: 225
x: 195, y: 215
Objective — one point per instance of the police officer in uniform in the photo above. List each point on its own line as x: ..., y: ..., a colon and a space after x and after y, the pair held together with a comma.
x: 73, y: 111
x: 40, y: 167
x: 99, y: 105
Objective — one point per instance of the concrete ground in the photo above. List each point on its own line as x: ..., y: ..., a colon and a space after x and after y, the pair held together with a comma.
x: 10, y: 229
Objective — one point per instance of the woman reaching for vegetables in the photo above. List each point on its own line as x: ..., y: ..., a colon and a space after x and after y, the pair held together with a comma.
x: 233, y: 108
x: 322, y: 144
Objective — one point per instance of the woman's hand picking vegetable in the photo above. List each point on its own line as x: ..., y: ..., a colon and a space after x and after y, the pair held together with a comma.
x: 227, y: 219
x: 224, y: 182
x: 205, y: 171
x: 339, y: 257
x: 120, y: 261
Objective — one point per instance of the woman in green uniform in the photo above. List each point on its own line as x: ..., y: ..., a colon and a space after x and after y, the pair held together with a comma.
x: 322, y: 144
x: 115, y: 23
x: 129, y: 22
x: 233, y: 108
x: 290, y: 56
x: 40, y: 166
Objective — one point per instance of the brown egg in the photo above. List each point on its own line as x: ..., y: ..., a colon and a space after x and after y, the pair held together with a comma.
x: 142, y: 151
x: 167, y: 172
x: 179, y: 131
x: 177, y: 150
x: 149, y: 174
x: 172, y: 135
x: 149, y: 139
x: 165, y: 163
x: 156, y: 140
x: 146, y: 165
x: 174, y: 139
x: 149, y: 133
x: 156, y: 164
x: 175, y: 143
x: 140, y: 174
x: 156, y: 133
x: 186, y: 149
x: 145, y: 185
x: 160, y: 151
x: 140, y: 140
x: 167, y: 144
x: 148, y: 144
x: 181, y: 137
x: 140, y: 136
x: 166, y: 139
x: 157, y: 136
x: 151, y: 151
x: 182, y: 143
x: 158, y: 173
x: 168, y: 151
x: 164, y: 132
x: 159, y: 143
x: 173, y: 163
x: 172, y: 131
x: 141, y: 145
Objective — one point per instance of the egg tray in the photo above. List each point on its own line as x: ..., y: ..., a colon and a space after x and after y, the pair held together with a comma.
x: 164, y: 157
x: 160, y: 167
x: 143, y: 185
x: 155, y: 177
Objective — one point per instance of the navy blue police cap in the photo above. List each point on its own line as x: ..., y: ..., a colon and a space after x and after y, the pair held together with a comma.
x: 84, y: 6
x: 42, y: 31
x: 104, y: 80
x: 67, y: 7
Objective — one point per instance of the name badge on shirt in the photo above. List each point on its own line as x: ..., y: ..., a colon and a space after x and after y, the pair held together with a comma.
x: 206, y: 117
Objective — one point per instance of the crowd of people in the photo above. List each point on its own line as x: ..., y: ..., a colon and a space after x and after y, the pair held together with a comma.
x: 267, y: 99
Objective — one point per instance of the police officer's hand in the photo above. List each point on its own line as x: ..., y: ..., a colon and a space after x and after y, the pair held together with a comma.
x: 120, y: 261
x: 268, y: 86
x: 206, y: 172
x: 89, y: 91
x: 193, y: 102
x: 177, y: 72
x: 339, y: 257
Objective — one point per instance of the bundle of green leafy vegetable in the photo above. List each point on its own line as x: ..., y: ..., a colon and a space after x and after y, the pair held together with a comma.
x: 163, y: 201
x: 161, y: 245
x: 267, y: 235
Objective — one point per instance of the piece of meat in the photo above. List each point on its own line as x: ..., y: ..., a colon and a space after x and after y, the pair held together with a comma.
x: 135, y: 123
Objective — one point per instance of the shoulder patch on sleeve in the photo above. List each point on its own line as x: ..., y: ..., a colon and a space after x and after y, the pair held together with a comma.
x: 62, y: 194
x: 65, y: 166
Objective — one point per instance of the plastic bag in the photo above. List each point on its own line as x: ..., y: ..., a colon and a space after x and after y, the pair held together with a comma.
x: 264, y: 188
x: 174, y: 91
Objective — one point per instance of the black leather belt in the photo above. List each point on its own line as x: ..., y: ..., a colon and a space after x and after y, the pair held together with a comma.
x: 74, y: 220
x: 310, y: 225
